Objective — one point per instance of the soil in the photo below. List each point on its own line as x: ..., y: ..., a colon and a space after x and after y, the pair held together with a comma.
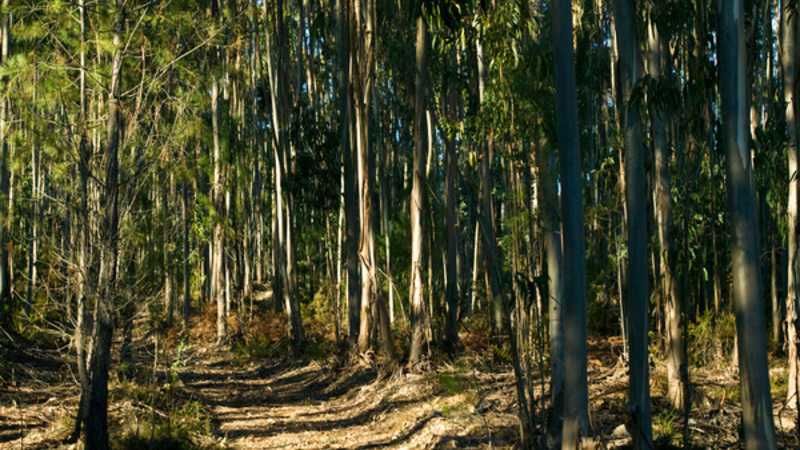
x: 316, y: 407
x: 280, y: 404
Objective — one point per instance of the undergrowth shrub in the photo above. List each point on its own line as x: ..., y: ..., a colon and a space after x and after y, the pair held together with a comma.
x: 666, y: 428
x: 267, y: 338
x: 156, y: 439
x: 184, y: 429
x: 711, y: 338
x: 319, y: 314
x: 602, y: 312
x: 157, y: 418
x: 475, y: 332
x: 779, y: 383
x: 460, y: 386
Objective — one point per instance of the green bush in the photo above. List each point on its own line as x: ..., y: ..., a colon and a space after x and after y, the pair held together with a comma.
x: 180, y: 429
x: 260, y: 348
x: 452, y: 383
x: 665, y: 427
x: 711, y: 337
x: 156, y: 438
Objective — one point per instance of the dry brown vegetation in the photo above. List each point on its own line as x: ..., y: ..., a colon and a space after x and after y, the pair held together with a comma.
x: 249, y: 396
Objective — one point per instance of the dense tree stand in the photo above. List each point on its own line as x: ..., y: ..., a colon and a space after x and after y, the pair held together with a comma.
x: 405, y: 224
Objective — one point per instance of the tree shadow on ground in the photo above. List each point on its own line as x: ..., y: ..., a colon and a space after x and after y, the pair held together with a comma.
x: 499, y: 437
x: 312, y: 386
x: 24, y: 398
x: 11, y: 430
x: 277, y: 384
x: 362, y: 418
x: 12, y: 434
x: 260, y: 372
x: 404, y: 436
x: 788, y: 439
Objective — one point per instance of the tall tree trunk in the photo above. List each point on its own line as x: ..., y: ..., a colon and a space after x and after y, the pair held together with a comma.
x: 366, y: 240
x: 575, y: 387
x: 476, y: 265
x: 258, y: 184
x: 788, y: 58
x: 757, y: 424
x: 387, y: 231
x: 33, y: 245
x: 419, y: 310
x: 84, y: 239
x: 777, y: 310
x: 486, y: 216
x: 283, y: 197
x: 217, y: 251
x: 168, y: 288
x: 551, y: 233
x: 337, y: 314
x: 97, y: 412
x: 451, y: 202
x: 187, y: 295
x: 352, y: 224
x: 5, y: 222
x: 218, y: 199
x: 677, y: 364
x: 638, y: 294
x: 382, y: 315
x: 363, y: 49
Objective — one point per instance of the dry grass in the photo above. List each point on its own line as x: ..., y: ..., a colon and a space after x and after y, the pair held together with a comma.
x: 254, y: 396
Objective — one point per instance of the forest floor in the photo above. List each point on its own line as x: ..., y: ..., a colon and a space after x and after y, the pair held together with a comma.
x: 281, y: 406
x: 206, y: 397
x: 311, y: 406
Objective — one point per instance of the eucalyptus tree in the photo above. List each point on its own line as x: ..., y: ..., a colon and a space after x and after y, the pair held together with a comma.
x: 450, y: 105
x: 350, y: 188
x: 660, y: 118
x: 362, y: 45
x: 789, y: 48
x: 186, y: 304
x: 576, y: 393
x: 218, y: 200
x: 283, y: 282
x: 362, y: 66
x: 420, y: 319
x: 551, y: 235
x: 638, y: 295
x: 757, y: 423
x: 5, y: 155
x: 493, y: 263
x: 309, y: 103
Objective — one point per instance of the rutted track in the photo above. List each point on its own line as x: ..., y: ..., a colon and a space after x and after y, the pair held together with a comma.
x: 313, y: 406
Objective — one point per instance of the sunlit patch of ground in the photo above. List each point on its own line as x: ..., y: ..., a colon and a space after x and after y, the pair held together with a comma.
x: 204, y: 397
x: 314, y: 406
